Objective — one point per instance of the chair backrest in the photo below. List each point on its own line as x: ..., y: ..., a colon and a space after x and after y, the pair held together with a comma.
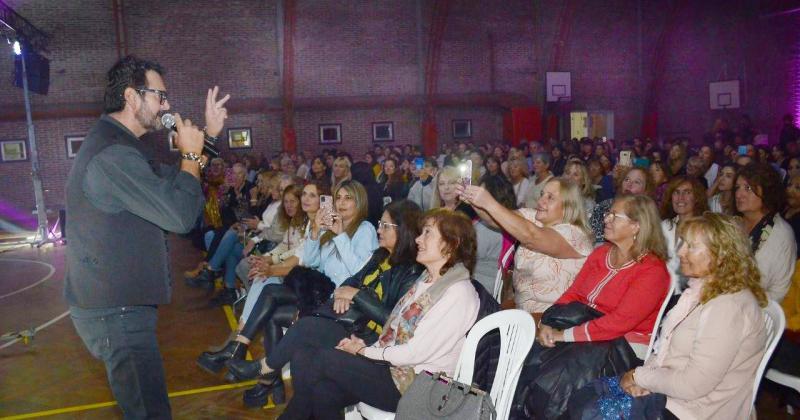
x: 658, y: 320
x: 776, y: 323
x: 517, y: 332
x: 498, y: 280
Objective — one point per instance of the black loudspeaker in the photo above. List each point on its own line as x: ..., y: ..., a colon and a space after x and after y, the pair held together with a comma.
x: 62, y: 224
x: 38, y: 69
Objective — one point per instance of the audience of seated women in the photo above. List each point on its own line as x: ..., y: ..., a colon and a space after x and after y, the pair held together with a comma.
x: 270, y: 268
x: 424, y: 332
x: 373, y: 292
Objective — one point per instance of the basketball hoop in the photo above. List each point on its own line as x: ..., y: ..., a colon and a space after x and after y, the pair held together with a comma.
x: 564, y: 99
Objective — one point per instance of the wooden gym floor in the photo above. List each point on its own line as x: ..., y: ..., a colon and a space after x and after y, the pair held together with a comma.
x: 54, y: 376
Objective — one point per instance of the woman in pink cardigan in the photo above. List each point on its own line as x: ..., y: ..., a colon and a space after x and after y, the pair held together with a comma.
x: 712, y: 341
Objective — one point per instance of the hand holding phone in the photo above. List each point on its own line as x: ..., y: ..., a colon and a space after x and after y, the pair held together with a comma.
x: 466, y: 172
x: 625, y: 158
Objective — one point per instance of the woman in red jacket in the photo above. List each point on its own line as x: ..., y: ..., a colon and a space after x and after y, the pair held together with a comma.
x: 626, y: 279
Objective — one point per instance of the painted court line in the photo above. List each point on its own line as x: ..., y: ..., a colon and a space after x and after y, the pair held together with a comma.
x: 112, y: 403
x: 44, y: 279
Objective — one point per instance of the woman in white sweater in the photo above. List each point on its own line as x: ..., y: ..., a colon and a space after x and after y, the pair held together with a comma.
x: 760, y: 196
x: 425, y: 331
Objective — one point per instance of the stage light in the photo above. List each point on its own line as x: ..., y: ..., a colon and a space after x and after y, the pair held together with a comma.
x: 17, y: 48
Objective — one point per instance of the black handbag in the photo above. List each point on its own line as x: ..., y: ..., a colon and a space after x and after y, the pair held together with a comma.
x: 436, y: 397
x: 353, y: 320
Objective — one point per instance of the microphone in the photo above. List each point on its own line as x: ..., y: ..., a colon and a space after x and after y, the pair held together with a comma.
x: 209, y: 147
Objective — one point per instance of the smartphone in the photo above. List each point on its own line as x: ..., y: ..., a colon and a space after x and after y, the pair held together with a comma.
x: 466, y: 172
x: 326, y: 204
x: 625, y: 158
x: 419, y: 163
x: 605, y: 139
x: 741, y: 151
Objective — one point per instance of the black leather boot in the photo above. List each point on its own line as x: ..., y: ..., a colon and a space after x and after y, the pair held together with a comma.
x: 258, y: 395
x: 213, y: 362
x: 227, y: 296
x: 204, y: 280
x: 243, y: 370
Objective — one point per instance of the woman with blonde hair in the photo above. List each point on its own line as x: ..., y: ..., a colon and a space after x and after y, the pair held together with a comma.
x: 720, y: 194
x: 577, y: 171
x: 340, y: 171
x: 712, y: 341
x: 445, y: 194
x: 554, y: 238
x: 611, y: 306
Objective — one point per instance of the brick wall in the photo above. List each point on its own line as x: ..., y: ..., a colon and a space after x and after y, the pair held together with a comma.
x: 356, y: 62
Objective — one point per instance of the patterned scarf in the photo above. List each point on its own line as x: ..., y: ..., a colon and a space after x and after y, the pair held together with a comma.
x: 408, y: 313
x: 761, y: 231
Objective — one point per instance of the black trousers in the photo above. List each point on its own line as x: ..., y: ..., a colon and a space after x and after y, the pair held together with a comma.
x: 307, y: 333
x: 328, y: 380
x: 275, y: 309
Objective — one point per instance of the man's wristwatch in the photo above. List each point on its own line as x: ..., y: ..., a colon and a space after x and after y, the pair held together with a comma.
x: 194, y: 157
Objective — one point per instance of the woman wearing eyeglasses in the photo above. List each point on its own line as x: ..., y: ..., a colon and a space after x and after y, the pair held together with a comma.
x: 623, y: 283
x: 626, y: 279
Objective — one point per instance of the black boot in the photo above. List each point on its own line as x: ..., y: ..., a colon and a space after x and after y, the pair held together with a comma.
x: 226, y: 296
x: 258, y: 395
x: 204, y: 280
x: 213, y: 362
x: 242, y: 370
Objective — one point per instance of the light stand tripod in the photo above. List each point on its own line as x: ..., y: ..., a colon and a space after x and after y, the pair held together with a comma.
x: 42, y: 236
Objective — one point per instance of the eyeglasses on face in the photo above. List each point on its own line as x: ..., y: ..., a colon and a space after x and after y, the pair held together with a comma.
x: 162, y: 95
x: 610, y: 215
x: 386, y: 225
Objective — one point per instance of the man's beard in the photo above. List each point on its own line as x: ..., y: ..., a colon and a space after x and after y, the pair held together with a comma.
x: 148, y: 119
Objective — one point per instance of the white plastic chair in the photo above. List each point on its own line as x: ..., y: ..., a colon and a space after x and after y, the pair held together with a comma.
x: 517, y: 332
x: 776, y: 323
x: 786, y: 380
x: 498, y: 280
x: 658, y: 320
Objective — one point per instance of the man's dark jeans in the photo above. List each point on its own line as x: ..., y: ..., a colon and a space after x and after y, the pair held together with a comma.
x: 124, y: 338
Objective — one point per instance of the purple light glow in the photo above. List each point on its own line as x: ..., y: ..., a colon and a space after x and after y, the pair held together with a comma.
x: 796, y: 83
x: 14, y: 220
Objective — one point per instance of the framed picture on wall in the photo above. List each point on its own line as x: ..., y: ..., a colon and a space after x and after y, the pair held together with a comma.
x: 330, y: 134
x: 73, y: 144
x: 462, y: 129
x: 171, y: 136
x: 383, y: 131
x: 13, y: 150
x: 240, y: 138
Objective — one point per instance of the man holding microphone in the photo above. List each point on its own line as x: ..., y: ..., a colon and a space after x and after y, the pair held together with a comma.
x: 120, y: 205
